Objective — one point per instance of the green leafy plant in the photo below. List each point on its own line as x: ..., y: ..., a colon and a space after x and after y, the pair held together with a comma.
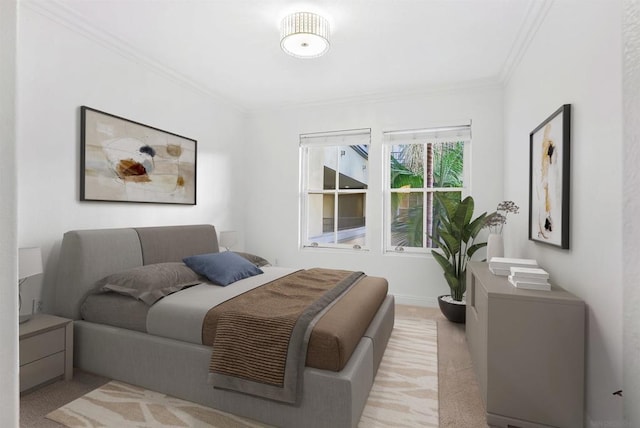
x: 444, y: 165
x: 456, y: 234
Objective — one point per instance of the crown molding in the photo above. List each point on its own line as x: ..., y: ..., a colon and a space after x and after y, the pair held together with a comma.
x: 534, y: 18
x: 387, y: 96
x: 65, y: 16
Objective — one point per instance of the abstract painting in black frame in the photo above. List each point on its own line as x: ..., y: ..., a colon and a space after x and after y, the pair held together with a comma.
x: 549, y: 172
x: 126, y: 161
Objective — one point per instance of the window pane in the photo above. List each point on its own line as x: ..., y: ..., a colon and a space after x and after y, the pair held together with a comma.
x: 407, y: 219
x: 335, y: 181
x: 320, y: 218
x: 420, y: 163
x: 447, y: 163
x: 407, y: 166
x: 321, y: 167
x: 354, y: 167
x: 350, y: 228
x: 351, y: 218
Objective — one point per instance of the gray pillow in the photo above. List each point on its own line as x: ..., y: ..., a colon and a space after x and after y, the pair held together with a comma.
x: 256, y: 260
x: 150, y: 283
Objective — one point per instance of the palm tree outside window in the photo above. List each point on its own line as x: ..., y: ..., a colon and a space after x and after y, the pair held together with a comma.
x: 419, y: 163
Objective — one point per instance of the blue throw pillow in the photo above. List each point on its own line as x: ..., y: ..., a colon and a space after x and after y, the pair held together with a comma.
x: 222, y: 268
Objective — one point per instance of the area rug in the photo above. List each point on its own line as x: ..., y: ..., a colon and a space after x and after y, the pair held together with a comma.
x: 404, y: 394
x: 405, y: 391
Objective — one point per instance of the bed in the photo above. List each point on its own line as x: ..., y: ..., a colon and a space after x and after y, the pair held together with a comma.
x: 331, y: 393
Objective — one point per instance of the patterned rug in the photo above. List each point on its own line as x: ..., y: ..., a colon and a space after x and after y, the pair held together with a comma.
x: 404, y: 394
x: 405, y: 391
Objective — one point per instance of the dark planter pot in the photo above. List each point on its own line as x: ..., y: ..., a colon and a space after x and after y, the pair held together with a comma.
x: 453, y: 312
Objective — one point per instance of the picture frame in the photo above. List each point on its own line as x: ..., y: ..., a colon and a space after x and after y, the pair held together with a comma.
x: 549, y: 172
x: 126, y: 161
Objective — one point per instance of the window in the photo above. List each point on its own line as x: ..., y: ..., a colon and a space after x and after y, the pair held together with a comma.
x: 417, y: 164
x: 334, y: 185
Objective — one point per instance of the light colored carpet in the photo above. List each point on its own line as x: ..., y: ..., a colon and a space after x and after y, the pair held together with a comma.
x: 404, y: 394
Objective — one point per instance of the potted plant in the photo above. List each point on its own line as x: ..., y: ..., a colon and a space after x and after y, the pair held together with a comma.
x: 455, y: 234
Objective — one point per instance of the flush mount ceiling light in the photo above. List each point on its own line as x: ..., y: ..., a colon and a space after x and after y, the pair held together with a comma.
x: 304, y: 35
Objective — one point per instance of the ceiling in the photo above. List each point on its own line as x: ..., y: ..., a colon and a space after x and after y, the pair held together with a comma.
x: 230, y: 48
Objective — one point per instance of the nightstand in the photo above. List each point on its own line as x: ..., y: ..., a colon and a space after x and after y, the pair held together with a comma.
x: 46, y: 350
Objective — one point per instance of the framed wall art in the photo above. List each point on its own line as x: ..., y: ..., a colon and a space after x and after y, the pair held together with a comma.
x: 126, y: 161
x: 549, y: 165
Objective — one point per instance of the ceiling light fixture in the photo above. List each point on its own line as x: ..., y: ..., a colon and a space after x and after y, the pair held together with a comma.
x: 304, y: 35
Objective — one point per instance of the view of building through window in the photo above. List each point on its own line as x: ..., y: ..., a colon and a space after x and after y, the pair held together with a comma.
x: 335, y: 183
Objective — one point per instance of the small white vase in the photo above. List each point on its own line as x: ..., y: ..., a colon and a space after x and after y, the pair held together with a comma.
x: 495, y: 246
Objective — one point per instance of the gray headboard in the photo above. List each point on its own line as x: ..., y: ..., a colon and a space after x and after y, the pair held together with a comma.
x: 87, y: 256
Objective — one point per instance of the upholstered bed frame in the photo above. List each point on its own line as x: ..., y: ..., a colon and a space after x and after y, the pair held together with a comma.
x: 180, y: 369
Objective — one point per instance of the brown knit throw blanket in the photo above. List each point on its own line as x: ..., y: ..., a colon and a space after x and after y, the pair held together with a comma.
x: 260, y: 337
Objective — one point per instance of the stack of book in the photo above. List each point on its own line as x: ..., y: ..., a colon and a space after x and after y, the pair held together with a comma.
x: 502, y: 266
x: 529, y: 278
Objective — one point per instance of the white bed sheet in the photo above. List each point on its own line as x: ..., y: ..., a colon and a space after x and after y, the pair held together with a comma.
x: 180, y: 315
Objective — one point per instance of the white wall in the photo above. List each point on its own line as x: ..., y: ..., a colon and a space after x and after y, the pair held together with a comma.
x: 575, y: 58
x: 60, y: 70
x: 8, y: 252
x: 273, y: 184
x: 631, y: 211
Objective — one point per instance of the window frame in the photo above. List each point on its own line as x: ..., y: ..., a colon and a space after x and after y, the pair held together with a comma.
x: 336, y: 139
x: 423, y: 136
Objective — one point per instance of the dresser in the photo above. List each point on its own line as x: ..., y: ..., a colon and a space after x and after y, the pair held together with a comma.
x: 46, y: 350
x: 527, y: 349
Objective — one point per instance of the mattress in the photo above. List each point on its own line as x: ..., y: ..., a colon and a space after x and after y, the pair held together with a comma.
x: 180, y: 315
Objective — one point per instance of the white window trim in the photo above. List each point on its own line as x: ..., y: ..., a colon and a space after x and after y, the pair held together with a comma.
x: 329, y: 139
x: 425, y: 135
